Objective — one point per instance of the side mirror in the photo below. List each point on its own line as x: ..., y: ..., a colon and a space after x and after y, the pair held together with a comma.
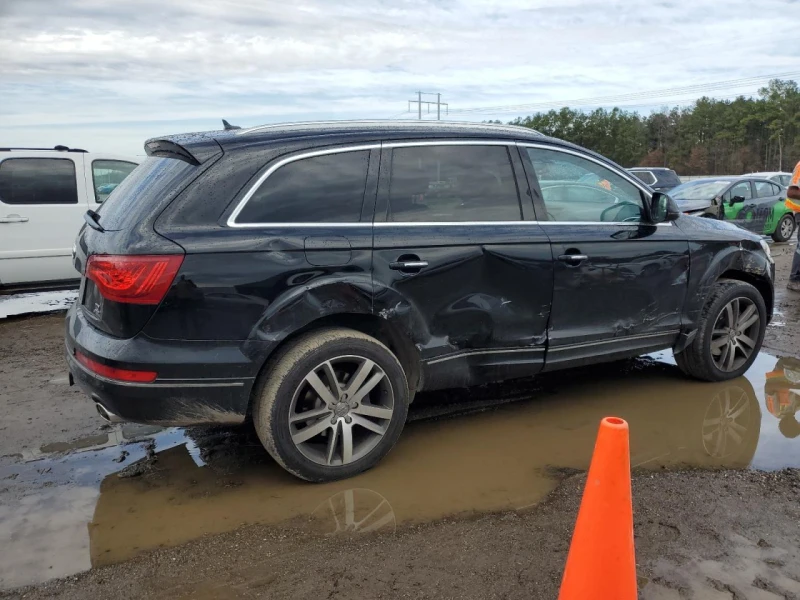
x: 736, y: 199
x: 662, y: 208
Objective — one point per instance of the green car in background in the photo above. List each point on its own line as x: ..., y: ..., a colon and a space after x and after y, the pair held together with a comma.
x: 752, y: 203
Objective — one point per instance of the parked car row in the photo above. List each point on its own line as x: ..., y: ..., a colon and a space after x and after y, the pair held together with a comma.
x: 755, y: 202
x: 317, y: 276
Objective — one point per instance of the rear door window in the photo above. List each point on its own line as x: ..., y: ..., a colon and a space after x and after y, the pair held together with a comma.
x: 319, y: 189
x: 107, y: 175
x: 38, y: 181
x: 764, y: 189
x: 668, y: 177
x: 452, y: 183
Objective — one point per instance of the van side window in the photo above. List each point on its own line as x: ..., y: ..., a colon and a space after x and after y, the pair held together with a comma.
x: 319, y: 189
x: 38, y: 181
x: 452, y: 183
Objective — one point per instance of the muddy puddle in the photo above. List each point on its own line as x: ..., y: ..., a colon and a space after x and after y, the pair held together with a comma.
x: 69, y: 506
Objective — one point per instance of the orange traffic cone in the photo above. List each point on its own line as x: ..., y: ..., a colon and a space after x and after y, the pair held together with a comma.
x: 601, y: 564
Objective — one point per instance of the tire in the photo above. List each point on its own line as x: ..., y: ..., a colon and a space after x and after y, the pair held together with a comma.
x: 784, y: 224
x: 284, y: 391
x: 697, y: 360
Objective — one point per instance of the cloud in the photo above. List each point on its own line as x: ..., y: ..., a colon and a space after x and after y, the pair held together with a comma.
x: 87, y: 65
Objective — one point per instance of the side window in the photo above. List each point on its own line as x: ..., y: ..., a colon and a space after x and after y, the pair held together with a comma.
x: 452, y: 183
x: 318, y: 189
x: 645, y: 176
x: 741, y: 189
x: 579, y: 189
x: 107, y: 175
x: 764, y: 189
x: 786, y: 180
x: 776, y: 189
x: 38, y: 181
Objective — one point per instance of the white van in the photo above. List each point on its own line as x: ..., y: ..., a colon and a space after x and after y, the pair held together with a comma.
x: 44, y: 194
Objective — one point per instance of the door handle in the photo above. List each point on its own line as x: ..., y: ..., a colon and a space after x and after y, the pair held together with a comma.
x: 408, y: 265
x: 14, y: 219
x: 573, y: 259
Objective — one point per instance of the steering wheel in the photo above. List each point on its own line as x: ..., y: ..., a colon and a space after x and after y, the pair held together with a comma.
x: 621, y: 205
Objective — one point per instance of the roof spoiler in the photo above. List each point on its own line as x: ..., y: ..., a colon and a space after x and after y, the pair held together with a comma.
x: 194, y: 150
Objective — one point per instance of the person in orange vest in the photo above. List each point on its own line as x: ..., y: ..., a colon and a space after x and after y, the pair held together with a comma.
x: 793, y: 202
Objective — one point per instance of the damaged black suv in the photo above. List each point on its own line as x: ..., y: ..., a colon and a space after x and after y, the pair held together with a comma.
x: 316, y: 276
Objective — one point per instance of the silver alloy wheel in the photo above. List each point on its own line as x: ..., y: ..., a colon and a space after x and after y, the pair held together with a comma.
x: 726, y: 422
x: 735, y: 332
x: 341, y: 410
x: 787, y: 228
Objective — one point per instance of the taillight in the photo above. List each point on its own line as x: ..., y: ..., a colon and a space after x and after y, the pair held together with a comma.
x: 133, y: 279
x: 115, y: 373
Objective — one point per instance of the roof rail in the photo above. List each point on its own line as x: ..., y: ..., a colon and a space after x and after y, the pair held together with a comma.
x: 415, y: 122
x: 59, y: 148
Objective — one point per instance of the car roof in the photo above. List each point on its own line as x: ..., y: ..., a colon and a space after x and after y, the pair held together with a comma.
x: 649, y: 169
x: 204, y: 144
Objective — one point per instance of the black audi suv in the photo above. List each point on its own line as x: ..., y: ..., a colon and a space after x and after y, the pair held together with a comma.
x: 314, y: 277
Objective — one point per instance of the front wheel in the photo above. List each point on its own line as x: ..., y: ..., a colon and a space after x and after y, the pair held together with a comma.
x: 331, y: 405
x: 783, y: 232
x: 729, y: 334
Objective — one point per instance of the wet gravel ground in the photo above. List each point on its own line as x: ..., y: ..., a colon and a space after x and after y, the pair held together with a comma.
x: 731, y: 534
x: 699, y: 534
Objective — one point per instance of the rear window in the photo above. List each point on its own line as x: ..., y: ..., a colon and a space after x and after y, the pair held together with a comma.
x: 669, y: 177
x: 38, y: 181
x: 645, y: 176
x: 149, y: 183
x: 318, y: 189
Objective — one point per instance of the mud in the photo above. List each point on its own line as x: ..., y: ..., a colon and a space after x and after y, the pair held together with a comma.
x: 477, y: 499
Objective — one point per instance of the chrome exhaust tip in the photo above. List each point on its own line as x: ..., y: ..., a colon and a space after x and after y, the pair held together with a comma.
x: 107, y: 415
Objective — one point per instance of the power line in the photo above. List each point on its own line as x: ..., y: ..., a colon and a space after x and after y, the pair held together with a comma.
x: 419, y: 102
x: 654, y: 95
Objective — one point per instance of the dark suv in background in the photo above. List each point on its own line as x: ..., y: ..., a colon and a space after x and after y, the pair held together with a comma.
x: 316, y: 276
x: 658, y: 178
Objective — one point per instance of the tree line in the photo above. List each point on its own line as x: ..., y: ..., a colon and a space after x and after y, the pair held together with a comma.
x: 710, y: 137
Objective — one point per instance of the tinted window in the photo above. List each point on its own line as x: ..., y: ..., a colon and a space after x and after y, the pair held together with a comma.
x: 38, y: 181
x: 668, y: 177
x: 645, y: 176
x: 785, y: 180
x: 107, y: 175
x: 740, y: 189
x: 320, y: 189
x: 578, y: 189
x: 155, y: 179
x: 452, y: 183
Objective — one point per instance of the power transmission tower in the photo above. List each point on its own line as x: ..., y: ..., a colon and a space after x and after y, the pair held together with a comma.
x: 439, y: 104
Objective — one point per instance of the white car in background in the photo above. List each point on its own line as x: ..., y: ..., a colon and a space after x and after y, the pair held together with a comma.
x: 779, y: 177
x: 44, y: 195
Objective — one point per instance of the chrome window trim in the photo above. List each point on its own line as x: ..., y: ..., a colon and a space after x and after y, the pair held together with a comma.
x: 231, y: 222
x: 631, y: 179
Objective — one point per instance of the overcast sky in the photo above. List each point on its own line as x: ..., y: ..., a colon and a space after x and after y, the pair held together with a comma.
x: 107, y: 75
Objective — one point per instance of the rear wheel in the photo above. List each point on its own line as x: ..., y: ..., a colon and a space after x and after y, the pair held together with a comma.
x: 332, y: 405
x: 729, y: 335
x: 786, y: 226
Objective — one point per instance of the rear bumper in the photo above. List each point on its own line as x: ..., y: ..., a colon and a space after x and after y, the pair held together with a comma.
x: 198, y: 382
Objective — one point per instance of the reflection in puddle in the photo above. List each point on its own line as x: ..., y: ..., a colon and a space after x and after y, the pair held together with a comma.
x: 63, y: 513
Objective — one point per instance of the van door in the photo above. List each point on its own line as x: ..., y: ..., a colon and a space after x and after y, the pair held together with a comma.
x: 457, y: 264
x: 41, y: 211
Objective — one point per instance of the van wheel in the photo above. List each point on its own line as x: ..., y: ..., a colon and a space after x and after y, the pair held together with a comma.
x: 331, y: 405
x: 729, y: 334
x: 783, y: 232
